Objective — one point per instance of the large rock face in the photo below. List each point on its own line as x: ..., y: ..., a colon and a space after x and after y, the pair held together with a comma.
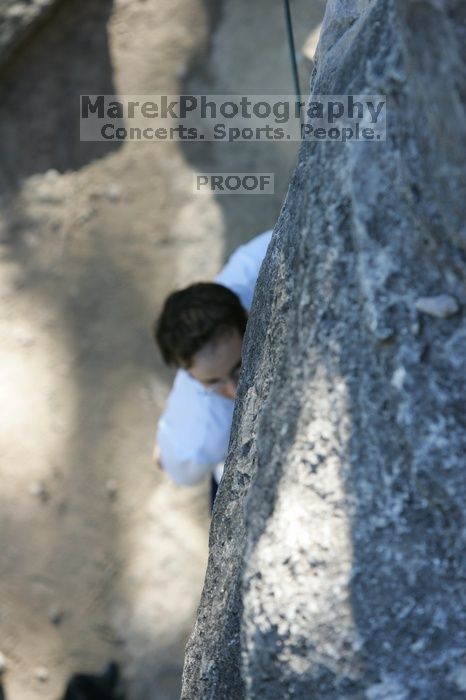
x: 337, y: 552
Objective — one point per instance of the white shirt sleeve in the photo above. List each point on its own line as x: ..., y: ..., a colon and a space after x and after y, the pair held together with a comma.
x: 193, y: 431
x: 242, y: 269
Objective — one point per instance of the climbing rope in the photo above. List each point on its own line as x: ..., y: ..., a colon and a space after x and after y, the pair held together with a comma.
x: 294, y: 66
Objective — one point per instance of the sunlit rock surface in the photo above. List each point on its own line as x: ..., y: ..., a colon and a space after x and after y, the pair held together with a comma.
x: 337, y: 551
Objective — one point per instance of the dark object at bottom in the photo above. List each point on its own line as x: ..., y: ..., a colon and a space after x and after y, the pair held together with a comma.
x: 89, y: 687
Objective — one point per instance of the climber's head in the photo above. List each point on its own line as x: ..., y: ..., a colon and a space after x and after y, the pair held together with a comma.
x: 201, y: 329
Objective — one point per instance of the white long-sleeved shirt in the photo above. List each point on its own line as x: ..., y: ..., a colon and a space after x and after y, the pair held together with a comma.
x: 194, y: 430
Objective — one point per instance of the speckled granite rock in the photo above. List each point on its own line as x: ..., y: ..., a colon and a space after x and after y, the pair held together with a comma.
x: 337, y: 562
x: 17, y: 19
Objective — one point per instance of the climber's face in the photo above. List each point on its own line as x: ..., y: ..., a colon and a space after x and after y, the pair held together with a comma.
x: 217, y: 365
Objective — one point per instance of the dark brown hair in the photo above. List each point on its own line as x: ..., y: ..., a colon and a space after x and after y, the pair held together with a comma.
x: 192, y: 317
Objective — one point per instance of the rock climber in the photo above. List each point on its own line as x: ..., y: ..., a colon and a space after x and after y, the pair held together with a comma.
x: 200, y: 332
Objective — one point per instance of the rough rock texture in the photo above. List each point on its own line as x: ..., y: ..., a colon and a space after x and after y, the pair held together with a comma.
x: 337, y: 551
x: 17, y: 19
